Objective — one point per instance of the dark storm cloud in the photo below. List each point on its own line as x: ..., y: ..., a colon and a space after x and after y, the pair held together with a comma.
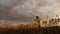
x: 8, y: 9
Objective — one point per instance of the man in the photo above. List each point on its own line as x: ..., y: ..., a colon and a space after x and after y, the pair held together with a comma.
x: 38, y: 21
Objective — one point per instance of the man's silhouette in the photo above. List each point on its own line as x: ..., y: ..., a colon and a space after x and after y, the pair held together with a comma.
x: 38, y: 21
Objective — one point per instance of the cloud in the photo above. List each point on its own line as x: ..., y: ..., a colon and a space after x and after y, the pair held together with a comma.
x: 25, y: 10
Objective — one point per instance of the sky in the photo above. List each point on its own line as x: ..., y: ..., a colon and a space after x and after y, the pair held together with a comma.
x: 26, y: 10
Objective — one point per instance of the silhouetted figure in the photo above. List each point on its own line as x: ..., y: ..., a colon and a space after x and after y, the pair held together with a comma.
x: 38, y: 21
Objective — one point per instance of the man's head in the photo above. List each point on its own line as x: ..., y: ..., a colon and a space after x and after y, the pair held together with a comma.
x: 37, y: 17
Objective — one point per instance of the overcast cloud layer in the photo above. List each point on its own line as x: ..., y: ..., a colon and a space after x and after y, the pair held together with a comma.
x: 25, y: 10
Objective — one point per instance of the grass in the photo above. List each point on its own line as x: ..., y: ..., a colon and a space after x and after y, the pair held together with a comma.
x: 42, y: 30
